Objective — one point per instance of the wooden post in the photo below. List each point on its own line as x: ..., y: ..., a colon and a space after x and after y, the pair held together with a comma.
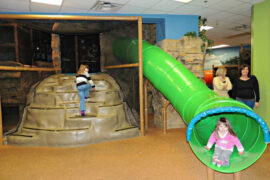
x: 133, y: 93
x: 140, y: 55
x: 31, y: 41
x: 16, y: 42
x: 164, y: 110
x: 146, y: 103
x: 210, y: 174
x: 56, y: 50
x: 237, y: 175
x: 1, y: 126
x: 76, y: 53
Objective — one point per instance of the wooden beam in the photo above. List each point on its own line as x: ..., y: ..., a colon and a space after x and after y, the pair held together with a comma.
x: 68, y: 17
x: 140, y: 55
x: 7, y: 44
x: 121, y: 66
x: 18, y: 68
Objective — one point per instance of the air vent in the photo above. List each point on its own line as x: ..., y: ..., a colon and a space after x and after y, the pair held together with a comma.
x: 104, y: 6
x: 241, y: 27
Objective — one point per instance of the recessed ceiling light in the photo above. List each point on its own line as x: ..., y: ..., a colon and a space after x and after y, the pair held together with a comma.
x: 51, y: 2
x: 183, y: 1
x: 206, y: 28
x: 219, y: 46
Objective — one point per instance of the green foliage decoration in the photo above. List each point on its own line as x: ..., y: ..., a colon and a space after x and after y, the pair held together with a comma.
x: 202, y: 34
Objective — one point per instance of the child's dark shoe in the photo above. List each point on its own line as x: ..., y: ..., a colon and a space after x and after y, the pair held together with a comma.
x: 82, y: 113
x: 85, y: 97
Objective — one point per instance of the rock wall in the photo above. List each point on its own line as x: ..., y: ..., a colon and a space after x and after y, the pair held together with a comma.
x: 52, y: 117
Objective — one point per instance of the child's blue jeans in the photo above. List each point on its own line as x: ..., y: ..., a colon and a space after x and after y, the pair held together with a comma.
x: 222, y: 155
x: 83, y: 91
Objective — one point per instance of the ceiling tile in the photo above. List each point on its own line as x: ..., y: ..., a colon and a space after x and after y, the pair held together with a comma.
x: 186, y: 9
x: 240, y: 8
x: 154, y: 11
x: 129, y: 9
x: 226, y: 4
x: 221, y: 15
x: 204, y: 3
x: 207, y: 12
x: 167, y: 5
x: 72, y: 10
x: 116, y: 1
x: 245, y: 12
x: 256, y: 1
x: 143, y: 3
x: 236, y: 17
x: 15, y: 5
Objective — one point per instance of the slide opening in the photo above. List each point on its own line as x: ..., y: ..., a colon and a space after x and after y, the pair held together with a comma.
x: 248, y: 129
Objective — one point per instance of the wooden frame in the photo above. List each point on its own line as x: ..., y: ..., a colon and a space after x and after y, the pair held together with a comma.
x: 89, y: 18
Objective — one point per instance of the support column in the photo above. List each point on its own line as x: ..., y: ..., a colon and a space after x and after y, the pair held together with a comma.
x: 140, y: 55
x: 56, y: 50
x: 146, y: 104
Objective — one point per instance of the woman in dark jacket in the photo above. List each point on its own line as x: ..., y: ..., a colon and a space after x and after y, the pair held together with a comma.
x: 246, y: 88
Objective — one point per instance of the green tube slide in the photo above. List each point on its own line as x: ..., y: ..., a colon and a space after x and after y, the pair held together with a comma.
x: 199, y: 106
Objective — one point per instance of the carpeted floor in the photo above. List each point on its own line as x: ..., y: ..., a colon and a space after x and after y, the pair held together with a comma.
x: 153, y: 157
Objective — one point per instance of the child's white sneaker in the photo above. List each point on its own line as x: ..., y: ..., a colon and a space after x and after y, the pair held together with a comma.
x: 219, y: 164
x: 214, y: 162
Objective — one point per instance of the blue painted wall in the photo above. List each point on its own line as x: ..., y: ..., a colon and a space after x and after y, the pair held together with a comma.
x: 167, y: 26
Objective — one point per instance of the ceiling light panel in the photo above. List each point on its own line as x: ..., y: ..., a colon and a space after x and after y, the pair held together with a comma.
x: 82, y: 4
x: 183, y: 1
x: 50, y: 2
x: 219, y: 46
x: 206, y: 28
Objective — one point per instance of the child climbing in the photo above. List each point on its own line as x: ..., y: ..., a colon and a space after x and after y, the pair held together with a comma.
x: 225, y: 139
x: 84, y: 84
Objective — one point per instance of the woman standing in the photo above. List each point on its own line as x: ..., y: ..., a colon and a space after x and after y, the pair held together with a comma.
x: 221, y: 83
x: 84, y: 84
x: 246, y: 88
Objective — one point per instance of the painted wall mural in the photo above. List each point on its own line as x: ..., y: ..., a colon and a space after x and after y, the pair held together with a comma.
x: 228, y: 56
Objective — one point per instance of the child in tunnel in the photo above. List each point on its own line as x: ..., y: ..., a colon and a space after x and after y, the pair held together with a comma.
x: 225, y: 140
x: 84, y: 84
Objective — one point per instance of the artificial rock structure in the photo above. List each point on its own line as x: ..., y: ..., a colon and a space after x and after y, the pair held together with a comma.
x: 52, y: 117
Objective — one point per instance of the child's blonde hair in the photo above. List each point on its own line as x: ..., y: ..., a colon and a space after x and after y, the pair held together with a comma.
x: 221, y: 71
x: 82, y: 69
x: 227, y: 123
